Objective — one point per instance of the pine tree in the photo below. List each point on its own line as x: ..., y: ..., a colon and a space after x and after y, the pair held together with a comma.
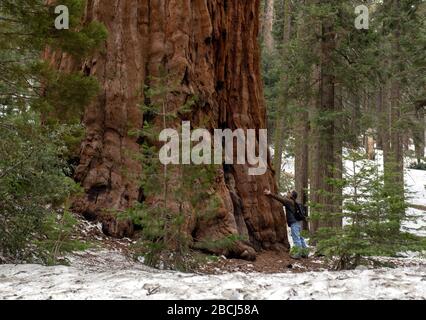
x: 34, y: 182
x: 26, y: 80
x: 370, y: 228
x: 40, y: 111
x: 173, y: 192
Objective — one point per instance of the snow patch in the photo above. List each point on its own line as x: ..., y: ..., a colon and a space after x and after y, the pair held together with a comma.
x: 110, y: 275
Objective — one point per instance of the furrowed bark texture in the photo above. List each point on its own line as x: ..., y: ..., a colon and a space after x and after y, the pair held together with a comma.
x: 323, y: 131
x: 210, y: 48
x: 268, y: 26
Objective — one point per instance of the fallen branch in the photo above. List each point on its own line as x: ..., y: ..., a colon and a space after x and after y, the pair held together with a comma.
x: 417, y: 206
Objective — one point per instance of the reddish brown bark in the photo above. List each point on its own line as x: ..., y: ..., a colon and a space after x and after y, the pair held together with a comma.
x: 280, y: 122
x: 395, y: 164
x: 323, y: 132
x: 301, y: 134
x: 268, y: 26
x: 210, y: 48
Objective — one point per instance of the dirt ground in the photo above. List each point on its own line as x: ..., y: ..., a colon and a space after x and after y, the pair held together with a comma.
x: 266, y: 262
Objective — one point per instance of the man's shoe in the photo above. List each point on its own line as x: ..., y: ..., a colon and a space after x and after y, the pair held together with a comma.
x: 296, y: 253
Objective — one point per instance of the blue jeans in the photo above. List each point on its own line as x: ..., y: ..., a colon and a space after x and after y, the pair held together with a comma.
x: 298, y: 241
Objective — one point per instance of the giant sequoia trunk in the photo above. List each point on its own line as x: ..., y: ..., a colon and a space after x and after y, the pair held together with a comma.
x: 210, y: 49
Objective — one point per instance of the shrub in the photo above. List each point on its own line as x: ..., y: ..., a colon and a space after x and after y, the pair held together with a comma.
x: 418, y: 165
x: 33, y: 180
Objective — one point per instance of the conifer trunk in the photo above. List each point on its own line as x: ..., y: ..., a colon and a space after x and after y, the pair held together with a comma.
x: 280, y: 127
x: 301, y: 135
x: 210, y: 48
x: 419, y: 135
x: 395, y: 160
x: 323, y: 131
x: 268, y: 26
x: 301, y: 162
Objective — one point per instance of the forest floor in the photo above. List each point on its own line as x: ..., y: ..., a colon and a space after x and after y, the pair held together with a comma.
x: 109, y: 271
x: 110, y: 274
x: 266, y: 261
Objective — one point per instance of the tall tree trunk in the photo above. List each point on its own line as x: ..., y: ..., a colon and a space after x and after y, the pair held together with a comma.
x: 338, y: 159
x: 379, y: 118
x: 369, y: 144
x: 268, y: 26
x: 395, y: 164
x: 210, y: 49
x: 356, y: 119
x: 386, y: 125
x: 419, y: 135
x: 369, y: 137
x: 323, y: 153
x: 301, y: 134
x: 279, y: 138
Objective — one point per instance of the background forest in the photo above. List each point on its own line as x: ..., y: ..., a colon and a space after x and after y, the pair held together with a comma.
x: 347, y: 108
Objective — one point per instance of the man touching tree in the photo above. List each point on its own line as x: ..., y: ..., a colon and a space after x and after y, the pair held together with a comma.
x: 295, y: 216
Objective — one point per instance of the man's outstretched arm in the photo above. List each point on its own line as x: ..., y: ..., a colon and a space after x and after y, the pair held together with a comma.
x: 283, y: 200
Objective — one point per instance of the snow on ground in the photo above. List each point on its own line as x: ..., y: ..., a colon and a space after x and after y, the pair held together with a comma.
x: 112, y: 276
x: 416, y: 184
x: 416, y: 223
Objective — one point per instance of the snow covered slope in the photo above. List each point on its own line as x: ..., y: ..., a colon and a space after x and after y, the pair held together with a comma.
x: 112, y: 276
x: 416, y: 184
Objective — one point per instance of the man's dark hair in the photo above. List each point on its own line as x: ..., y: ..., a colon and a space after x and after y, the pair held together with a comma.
x: 294, y: 195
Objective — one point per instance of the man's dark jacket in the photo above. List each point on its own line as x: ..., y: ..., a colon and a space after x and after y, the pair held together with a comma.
x: 290, y: 208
